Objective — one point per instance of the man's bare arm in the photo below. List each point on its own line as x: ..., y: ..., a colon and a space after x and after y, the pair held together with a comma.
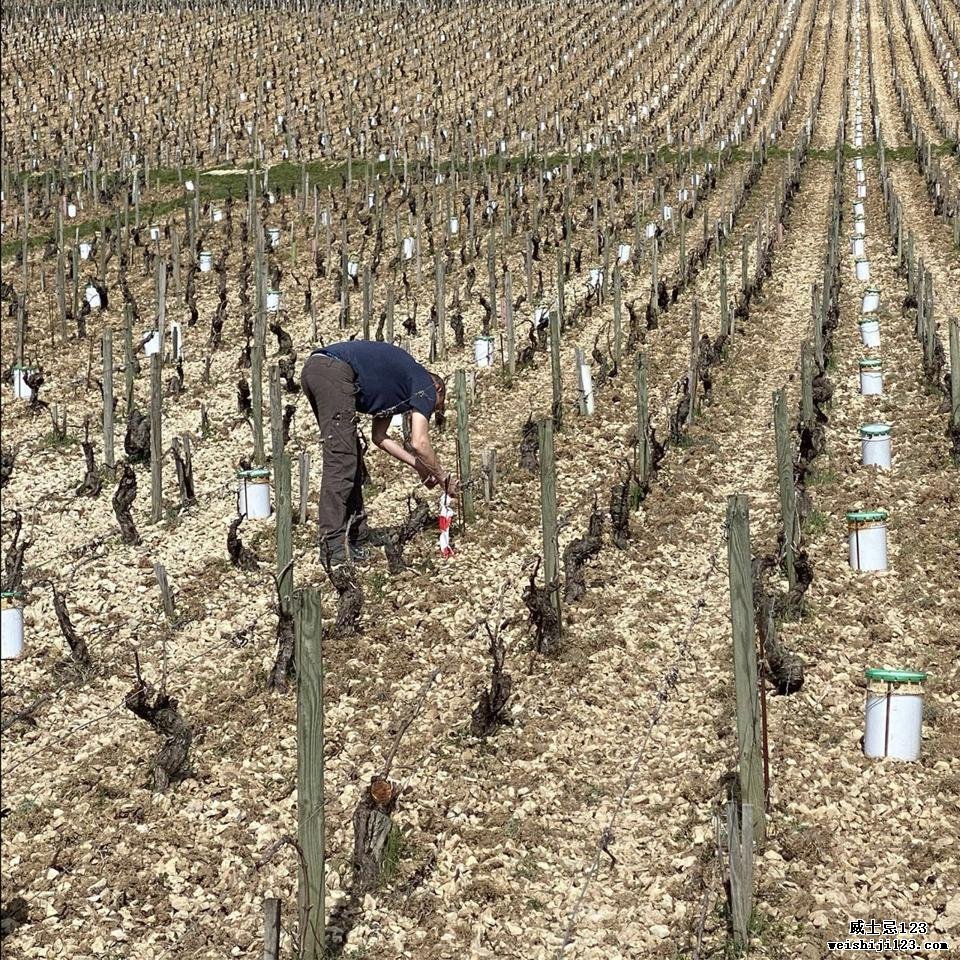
x: 421, y: 457
x: 425, y: 455
x: 382, y: 440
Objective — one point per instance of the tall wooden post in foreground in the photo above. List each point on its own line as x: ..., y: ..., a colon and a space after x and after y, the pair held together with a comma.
x: 548, y: 509
x: 108, y: 455
x: 745, y: 659
x: 463, y: 448
x: 788, y: 492
x: 156, y: 442
x: 955, y: 372
x: 310, y: 824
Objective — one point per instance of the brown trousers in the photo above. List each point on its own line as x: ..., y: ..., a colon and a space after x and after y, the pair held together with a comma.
x: 331, y: 389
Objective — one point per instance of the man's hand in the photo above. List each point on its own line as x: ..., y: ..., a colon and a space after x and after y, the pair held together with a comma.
x: 426, y: 476
x: 451, y: 485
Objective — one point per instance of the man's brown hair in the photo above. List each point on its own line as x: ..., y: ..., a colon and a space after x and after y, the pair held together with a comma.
x: 441, y: 389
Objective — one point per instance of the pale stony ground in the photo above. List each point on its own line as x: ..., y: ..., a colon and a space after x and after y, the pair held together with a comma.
x: 498, y: 836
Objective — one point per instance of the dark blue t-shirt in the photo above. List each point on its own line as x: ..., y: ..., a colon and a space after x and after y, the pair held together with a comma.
x: 389, y: 380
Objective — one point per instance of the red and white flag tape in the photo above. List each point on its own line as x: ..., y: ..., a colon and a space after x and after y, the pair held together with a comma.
x: 445, y: 520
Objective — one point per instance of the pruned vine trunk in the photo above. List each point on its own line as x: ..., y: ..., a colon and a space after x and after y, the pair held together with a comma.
x: 123, y: 499
x: 136, y: 443
x: 13, y: 560
x: 490, y: 712
x: 578, y: 552
x: 240, y: 555
x: 372, y: 823
x: 76, y: 643
x: 284, y: 667
x: 395, y: 539
x: 169, y: 764
x: 530, y: 447
x: 544, y: 618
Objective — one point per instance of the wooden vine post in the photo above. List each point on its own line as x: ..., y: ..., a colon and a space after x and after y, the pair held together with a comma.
x: 304, y: 475
x: 744, y: 269
x: 271, y: 929
x: 740, y: 850
x: 310, y: 823
x: 955, y: 372
x: 509, y: 331
x: 693, y: 373
x: 654, y: 276
x: 256, y: 354
x: 555, y: 371
x: 156, y: 442
x: 643, y: 421
x: 129, y: 362
x: 579, y: 361
x: 817, y: 313
x: 745, y: 659
x: 806, y: 384
x: 548, y: 513
x: 388, y: 323
x: 160, y: 572
x: 281, y: 471
x: 108, y: 455
x: 367, y: 301
x: 930, y: 330
x: 561, y: 277
x: 788, y: 492
x: 276, y: 413
x: 725, y: 328
x: 440, y: 279
x: 617, y: 318
x: 463, y: 448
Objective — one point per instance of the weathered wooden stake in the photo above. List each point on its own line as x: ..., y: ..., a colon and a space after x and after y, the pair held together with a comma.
x: 388, y: 323
x: 367, y: 301
x: 955, y: 372
x: 183, y: 459
x: 156, y: 442
x: 693, y: 374
x: 654, y: 273
x: 129, y: 361
x: 745, y: 658
x: 160, y: 571
x: 281, y: 473
x: 806, y: 383
x: 161, y: 301
x: 276, y: 413
x: 561, y: 289
x: 304, y: 473
x: 744, y: 268
x: 788, y: 492
x: 489, y: 460
x: 463, y: 447
x: 441, y: 304
x: 548, y: 512
x: 583, y: 394
x: 256, y: 400
x: 555, y: 372
x: 725, y: 326
x: 510, y: 335
x: 644, y: 457
x: 617, y: 318
x: 930, y: 331
x: 310, y: 823
x: 740, y: 850
x: 108, y: 457
x: 271, y: 929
